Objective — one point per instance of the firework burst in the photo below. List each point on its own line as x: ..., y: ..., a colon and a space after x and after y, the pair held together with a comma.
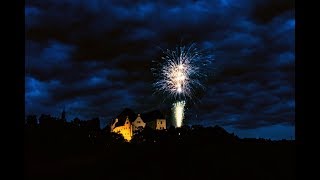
x: 180, y: 75
x: 181, y: 72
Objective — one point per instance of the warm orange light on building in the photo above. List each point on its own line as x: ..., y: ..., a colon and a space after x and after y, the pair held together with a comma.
x: 127, y: 129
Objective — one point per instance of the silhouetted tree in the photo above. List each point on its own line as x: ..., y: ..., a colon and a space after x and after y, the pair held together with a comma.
x: 75, y: 123
x: 44, y: 120
x: 31, y: 121
x: 115, y: 138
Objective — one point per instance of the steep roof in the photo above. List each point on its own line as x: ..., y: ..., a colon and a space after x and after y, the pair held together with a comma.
x: 123, y: 116
x: 146, y: 117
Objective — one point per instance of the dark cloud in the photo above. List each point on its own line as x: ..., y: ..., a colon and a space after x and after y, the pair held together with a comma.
x: 94, y: 58
x: 266, y: 11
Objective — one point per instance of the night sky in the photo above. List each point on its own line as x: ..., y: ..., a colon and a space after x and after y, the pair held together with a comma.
x: 94, y: 58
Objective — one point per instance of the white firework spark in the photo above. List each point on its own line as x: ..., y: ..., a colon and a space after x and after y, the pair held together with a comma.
x: 180, y: 75
x: 182, y: 72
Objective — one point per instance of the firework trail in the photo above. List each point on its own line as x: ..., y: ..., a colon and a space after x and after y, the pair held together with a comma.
x: 180, y: 75
x: 178, y: 110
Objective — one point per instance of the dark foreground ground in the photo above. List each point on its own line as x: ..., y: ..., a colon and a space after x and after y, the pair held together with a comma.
x: 140, y: 161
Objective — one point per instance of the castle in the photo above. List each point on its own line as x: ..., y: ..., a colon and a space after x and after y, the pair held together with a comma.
x: 128, y: 122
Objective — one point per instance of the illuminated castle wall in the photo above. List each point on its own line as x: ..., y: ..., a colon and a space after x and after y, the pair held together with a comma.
x: 138, y: 123
x: 158, y: 124
x: 127, y: 128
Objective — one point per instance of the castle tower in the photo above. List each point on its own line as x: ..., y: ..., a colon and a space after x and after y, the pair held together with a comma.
x: 63, y: 115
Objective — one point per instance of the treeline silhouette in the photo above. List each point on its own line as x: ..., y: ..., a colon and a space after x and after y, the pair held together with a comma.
x: 55, y: 148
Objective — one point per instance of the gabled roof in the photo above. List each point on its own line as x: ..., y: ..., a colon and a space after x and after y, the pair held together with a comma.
x: 138, y: 116
x: 123, y: 116
x: 146, y: 117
